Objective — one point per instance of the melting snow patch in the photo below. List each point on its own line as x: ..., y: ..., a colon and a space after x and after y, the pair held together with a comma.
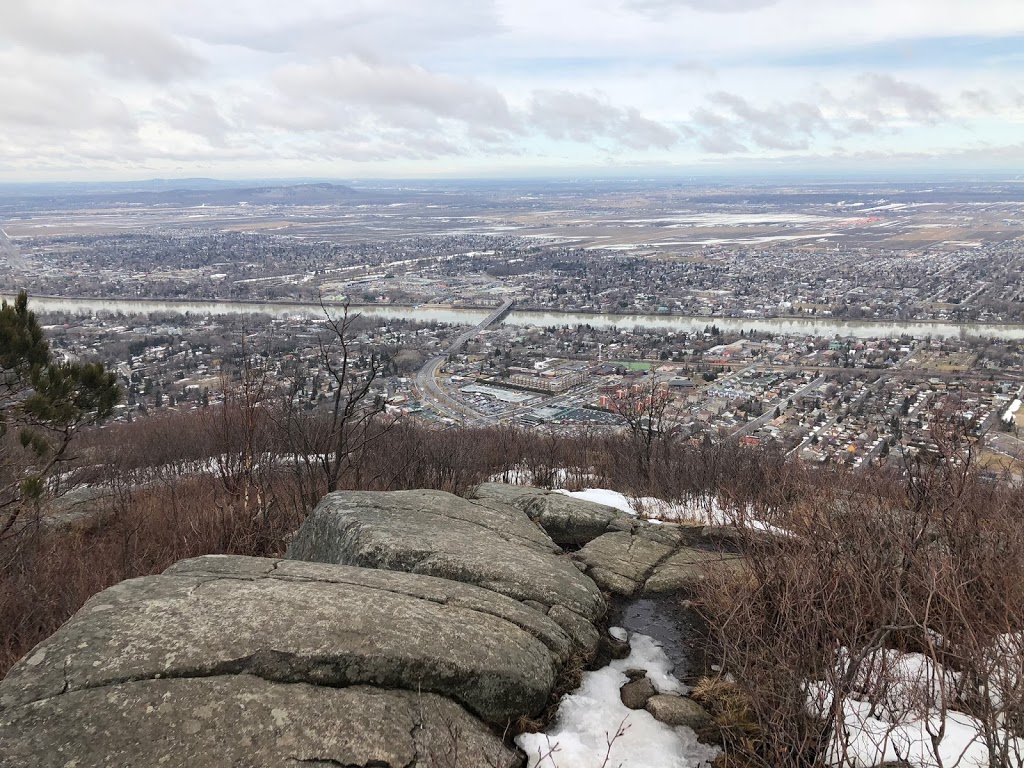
x: 1011, y: 412
x: 590, y: 718
x: 703, y: 509
x: 896, y: 714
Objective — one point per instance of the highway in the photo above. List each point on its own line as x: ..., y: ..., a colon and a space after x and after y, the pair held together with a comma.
x: 430, y: 391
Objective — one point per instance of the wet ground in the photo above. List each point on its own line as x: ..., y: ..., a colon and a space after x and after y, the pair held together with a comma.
x: 679, y: 629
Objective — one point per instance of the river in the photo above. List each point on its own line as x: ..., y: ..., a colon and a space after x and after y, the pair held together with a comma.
x: 818, y: 326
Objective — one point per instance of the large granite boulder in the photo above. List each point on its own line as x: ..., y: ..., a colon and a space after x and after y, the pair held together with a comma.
x: 293, y: 622
x: 489, y: 544
x: 241, y: 720
x: 568, y: 521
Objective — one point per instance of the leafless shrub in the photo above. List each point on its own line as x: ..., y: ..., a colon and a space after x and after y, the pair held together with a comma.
x: 915, y: 564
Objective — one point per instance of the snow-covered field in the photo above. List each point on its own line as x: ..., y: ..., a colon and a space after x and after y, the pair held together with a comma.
x: 590, y: 718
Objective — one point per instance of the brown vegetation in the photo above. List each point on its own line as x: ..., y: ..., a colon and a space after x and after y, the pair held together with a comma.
x: 228, y: 479
x: 925, y: 562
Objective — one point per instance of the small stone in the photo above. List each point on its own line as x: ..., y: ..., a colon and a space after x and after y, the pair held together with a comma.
x: 677, y: 710
x: 635, y: 674
x: 608, y: 650
x: 635, y: 695
x: 619, y: 634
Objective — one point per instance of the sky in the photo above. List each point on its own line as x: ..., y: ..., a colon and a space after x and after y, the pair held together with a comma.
x: 135, y: 89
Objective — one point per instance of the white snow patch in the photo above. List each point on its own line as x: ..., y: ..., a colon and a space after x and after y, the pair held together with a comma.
x: 1011, y: 412
x: 704, y: 509
x: 896, y: 715
x: 591, y: 716
x: 618, y: 633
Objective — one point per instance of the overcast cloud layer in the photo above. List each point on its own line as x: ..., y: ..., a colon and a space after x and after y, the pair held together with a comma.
x: 363, y: 88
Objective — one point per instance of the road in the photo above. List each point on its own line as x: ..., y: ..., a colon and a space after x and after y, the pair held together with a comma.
x: 433, y: 395
x: 769, y: 410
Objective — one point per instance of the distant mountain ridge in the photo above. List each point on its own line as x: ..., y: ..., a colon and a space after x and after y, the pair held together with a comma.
x: 312, y: 193
x: 297, y: 194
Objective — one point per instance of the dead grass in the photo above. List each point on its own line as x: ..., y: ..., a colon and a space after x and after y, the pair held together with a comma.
x: 47, y: 574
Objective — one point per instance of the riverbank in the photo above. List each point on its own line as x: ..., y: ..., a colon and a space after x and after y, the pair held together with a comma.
x: 791, y: 326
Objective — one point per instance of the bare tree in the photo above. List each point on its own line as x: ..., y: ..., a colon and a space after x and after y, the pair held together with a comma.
x: 644, y: 409
x: 237, y: 432
x: 875, y: 567
x: 326, y: 444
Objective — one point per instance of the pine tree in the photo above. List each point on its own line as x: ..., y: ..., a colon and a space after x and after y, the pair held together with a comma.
x: 43, y: 404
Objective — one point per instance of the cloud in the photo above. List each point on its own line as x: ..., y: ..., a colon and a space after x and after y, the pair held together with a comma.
x: 41, y: 95
x: 462, y: 83
x: 695, y: 67
x: 882, y: 94
x: 199, y: 115
x: 426, y: 114
x: 729, y: 122
x: 978, y: 100
x: 871, y: 104
x: 661, y: 7
x: 399, y: 93
x: 579, y: 117
x: 330, y: 28
x: 125, y: 43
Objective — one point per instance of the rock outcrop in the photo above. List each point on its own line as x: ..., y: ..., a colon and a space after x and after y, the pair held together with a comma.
x: 241, y: 720
x: 652, y: 559
x: 403, y: 629
x: 569, y: 522
x: 295, y: 622
x: 489, y: 544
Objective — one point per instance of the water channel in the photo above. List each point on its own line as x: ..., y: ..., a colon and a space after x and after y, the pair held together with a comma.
x: 817, y: 326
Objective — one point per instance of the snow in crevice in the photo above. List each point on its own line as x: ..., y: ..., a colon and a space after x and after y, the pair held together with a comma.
x: 591, y: 716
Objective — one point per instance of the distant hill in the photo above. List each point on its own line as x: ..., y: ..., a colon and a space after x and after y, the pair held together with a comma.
x: 298, y: 194
x: 205, y: 193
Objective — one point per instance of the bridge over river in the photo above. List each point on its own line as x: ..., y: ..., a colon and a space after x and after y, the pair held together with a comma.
x: 431, y: 392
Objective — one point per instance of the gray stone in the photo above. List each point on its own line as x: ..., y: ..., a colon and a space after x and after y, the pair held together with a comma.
x: 652, y: 559
x: 583, y: 633
x: 678, y: 711
x: 609, y: 649
x: 296, y: 622
x: 669, y: 535
x: 568, y: 521
x: 620, y: 562
x: 686, y: 568
x: 230, y: 722
x: 492, y: 545
x: 634, y: 695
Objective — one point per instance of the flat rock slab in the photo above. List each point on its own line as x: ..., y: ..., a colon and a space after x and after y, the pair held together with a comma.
x: 569, y: 522
x: 229, y: 722
x: 686, y: 568
x: 652, y: 560
x: 620, y: 562
x: 491, y: 545
x: 297, y: 622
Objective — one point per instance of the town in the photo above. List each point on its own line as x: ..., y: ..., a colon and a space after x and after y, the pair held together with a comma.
x: 849, y: 401
x: 834, y: 323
